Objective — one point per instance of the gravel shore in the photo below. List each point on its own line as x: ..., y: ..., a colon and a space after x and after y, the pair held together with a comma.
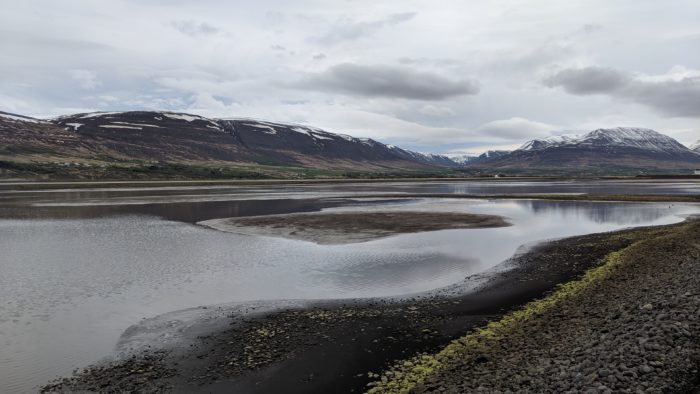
x: 629, y: 326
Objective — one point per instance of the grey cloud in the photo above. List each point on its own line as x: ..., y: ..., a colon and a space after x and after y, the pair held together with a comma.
x: 386, y: 81
x: 319, y: 56
x: 591, y: 28
x: 193, y: 28
x: 346, y: 30
x: 588, y: 80
x: 671, y: 97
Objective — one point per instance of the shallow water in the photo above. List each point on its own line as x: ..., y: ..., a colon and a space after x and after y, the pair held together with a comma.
x: 73, y: 278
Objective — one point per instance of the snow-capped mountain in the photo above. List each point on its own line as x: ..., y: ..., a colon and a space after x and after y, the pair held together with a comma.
x: 548, y: 142
x: 628, y: 147
x: 696, y: 146
x: 169, y: 137
x: 460, y: 158
x: 178, y: 137
x: 630, y: 137
x: 426, y: 158
x: 466, y: 159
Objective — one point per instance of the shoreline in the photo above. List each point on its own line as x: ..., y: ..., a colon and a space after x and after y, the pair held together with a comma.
x: 32, y: 183
x: 335, y: 344
x: 628, y: 325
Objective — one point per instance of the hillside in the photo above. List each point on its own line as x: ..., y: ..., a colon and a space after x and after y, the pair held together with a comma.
x: 120, y: 138
x: 145, y: 144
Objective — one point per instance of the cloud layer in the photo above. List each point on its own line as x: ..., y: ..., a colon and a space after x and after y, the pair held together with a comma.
x: 460, y: 77
x: 671, y: 97
x: 386, y: 81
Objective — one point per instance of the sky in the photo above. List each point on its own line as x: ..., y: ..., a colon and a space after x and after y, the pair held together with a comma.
x: 441, y: 77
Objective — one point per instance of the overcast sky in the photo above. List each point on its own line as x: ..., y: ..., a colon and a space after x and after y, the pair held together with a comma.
x: 436, y: 76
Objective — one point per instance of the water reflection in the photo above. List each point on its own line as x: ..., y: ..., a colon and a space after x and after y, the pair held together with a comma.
x: 600, y: 212
x: 70, y: 287
x: 136, y: 194
x: 188, y: 212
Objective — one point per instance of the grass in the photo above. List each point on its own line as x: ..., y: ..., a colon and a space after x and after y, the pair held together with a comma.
x: 73, y: 169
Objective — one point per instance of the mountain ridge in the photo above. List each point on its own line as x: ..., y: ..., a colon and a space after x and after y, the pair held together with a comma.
x: 630, y: 147
x: 163, y: 136
x: 174, y: 137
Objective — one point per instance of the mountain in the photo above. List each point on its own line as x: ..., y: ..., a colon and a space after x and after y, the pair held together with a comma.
x: 696, y: 146
x: 460, y: 158
x: 129, y: 142
x: 466, y: 159
x: 490, y: 154
x: 168, y: 137
x: 600, y: 150
x: 425, y: 158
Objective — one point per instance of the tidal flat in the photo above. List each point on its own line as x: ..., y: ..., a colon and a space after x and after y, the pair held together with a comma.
x: 351, y: 227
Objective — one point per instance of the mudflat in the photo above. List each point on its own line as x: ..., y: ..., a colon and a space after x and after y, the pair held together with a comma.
x: 350, y: 227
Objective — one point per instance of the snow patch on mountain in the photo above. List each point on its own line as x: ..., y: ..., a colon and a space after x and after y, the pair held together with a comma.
x: 555, y: 140
x: 19, y: 118
x: 264, y: 128
x: 119, y: 126
x: 185, y: 117
x: 461, y: 158
x: 98, y: 114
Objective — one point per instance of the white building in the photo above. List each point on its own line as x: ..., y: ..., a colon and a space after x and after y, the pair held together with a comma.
x: 697, y: 171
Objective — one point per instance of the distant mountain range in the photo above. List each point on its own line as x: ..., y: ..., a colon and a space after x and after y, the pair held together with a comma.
x: 463, y: 160
x: 183, y: 138
x: 696, y: 146
x: 622, y: 147
x: 169, y: 137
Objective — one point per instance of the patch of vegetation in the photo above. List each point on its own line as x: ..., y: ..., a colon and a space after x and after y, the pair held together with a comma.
x: 74, y: 169
x: 583, y: 171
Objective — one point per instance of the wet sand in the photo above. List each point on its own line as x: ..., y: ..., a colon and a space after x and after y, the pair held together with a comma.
x: 339, y: 346
x: 351, y: 227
